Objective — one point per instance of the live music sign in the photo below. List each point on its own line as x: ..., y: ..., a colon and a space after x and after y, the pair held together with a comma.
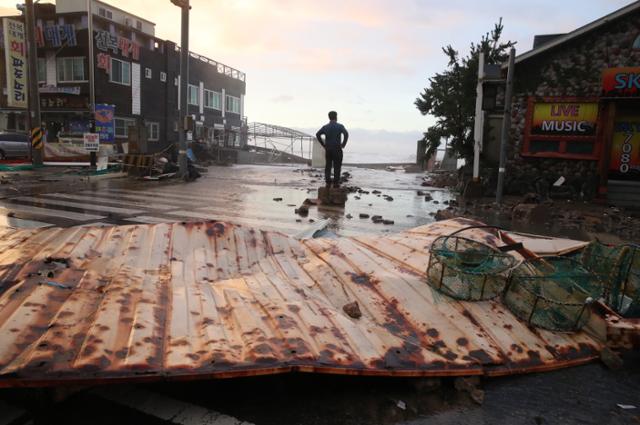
x: 621, y: 82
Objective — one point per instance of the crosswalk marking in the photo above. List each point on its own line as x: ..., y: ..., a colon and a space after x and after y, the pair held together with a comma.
x: 85, y: 206
x: 47, y: 212
x: 22, y: 223
x: 169, y: 196
x: 181, y: 201
x: 290, y: 228
x: 114, y: 201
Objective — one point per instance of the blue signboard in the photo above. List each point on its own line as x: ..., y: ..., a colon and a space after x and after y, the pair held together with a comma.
x: 104, y: 123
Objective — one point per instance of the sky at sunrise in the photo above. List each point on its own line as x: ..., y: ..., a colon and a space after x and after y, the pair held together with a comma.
x: 367, y: 59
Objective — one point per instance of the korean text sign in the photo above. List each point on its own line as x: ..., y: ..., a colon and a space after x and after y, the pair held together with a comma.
x: 16, y: 60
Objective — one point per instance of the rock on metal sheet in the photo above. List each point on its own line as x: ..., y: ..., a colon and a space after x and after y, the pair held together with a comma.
x: 204, y: 300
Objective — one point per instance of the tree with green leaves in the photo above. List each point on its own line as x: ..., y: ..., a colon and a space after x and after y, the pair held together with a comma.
x: 451, y: 95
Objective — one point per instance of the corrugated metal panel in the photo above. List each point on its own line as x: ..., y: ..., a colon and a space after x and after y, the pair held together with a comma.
x: 199, y: 300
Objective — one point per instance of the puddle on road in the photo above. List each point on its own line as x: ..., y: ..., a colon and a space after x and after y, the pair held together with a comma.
x: 245, y: 194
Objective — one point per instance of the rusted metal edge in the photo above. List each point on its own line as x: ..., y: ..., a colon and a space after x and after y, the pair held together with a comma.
x: 496, y: 371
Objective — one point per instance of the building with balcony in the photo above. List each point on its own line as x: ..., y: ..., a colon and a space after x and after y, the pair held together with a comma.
x: 134, y: 71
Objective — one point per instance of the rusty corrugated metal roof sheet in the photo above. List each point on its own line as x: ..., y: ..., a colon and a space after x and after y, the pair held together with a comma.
x: 199, y: 300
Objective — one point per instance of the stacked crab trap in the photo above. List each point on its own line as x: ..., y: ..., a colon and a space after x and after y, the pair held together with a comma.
x: 553, y: 293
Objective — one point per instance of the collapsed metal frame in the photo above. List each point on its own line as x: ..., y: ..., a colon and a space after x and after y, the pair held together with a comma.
x: 280, y: 139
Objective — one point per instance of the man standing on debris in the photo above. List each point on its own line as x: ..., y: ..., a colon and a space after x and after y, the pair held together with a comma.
x: 333, y: 144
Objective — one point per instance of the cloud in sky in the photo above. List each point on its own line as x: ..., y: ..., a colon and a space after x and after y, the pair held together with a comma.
x: 367, y: 59
x: 283, y: 98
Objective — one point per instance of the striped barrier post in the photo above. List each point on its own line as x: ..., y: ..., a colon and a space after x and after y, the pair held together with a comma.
x: 37, y: 138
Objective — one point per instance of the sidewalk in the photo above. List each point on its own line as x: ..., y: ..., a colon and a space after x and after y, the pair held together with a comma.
x: 22, y: 179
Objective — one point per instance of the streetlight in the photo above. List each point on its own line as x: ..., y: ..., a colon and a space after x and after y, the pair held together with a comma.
x: 184, y: 79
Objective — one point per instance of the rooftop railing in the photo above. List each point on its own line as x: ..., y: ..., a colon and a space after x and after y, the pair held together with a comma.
x: 220, y: 67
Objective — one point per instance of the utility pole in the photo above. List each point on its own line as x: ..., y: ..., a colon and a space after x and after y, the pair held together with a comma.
x: 92, y: 84
x: 506, y: 125
x: 35, y: 121
x: 184, y: 81
x: 478, y: 129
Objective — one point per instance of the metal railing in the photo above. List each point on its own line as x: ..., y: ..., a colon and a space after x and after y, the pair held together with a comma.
x: 220, y: 67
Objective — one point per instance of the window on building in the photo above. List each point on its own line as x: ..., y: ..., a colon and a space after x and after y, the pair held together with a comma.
x: 148, y: 73
x: 122, y: 126
x: 233, y: 104
x: 42, y: 70
x: 71, y: 69
x: 139, y: 25
x: 199, y: 133
x: 105, y: 13
x: 163, y: 76
x: 120, y: 72
x: 153, y: 131
x: 213, y: 100
x: 192, y: 95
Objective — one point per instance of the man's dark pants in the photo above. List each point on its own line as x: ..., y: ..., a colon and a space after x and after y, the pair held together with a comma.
x: 333, y: 160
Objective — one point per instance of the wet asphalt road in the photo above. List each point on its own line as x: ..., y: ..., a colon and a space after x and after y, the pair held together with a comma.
x: 244, y: 194
x: 240, y: 194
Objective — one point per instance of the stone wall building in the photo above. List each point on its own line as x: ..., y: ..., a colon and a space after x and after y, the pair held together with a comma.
x: 576, y: 112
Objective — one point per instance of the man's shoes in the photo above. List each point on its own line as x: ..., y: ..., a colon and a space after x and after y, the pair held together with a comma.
x: 336, y: 185
x: 328, y: 184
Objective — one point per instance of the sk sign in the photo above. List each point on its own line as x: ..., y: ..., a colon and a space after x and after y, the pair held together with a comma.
x: 621, y: 82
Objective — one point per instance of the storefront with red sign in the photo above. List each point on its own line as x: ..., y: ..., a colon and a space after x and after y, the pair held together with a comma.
x: 621, y: 97
x: 605, y: 129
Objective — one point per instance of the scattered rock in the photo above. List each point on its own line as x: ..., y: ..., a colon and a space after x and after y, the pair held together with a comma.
x: 388, y: 222
x: 352, y: 310
x: 611, y: 359
x: 444, y: 215
x: 277, y: 199
x: 530, y: 212
x: 436, y: 202
x: 362, y: 215
x: 470, y: 385
x: 349, y: 216
x: 332, y: 196
x: 376, y: 192
x: 530, y: 198
x: 311, y: 220
x: 303, y: 210
x: 421, y: 193
x: 11, y: 214
x: 477, y: 395
x: 388, y: 198
x: 428, y: 197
